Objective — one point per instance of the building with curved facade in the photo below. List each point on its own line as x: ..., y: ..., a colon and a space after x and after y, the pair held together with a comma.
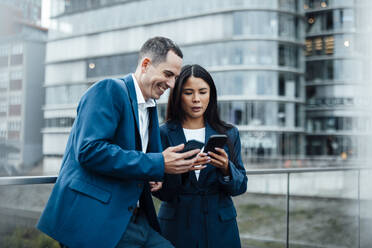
x: 253, y: 49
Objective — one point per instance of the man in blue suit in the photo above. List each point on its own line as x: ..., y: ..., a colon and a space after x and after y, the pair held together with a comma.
x: 102, y: 195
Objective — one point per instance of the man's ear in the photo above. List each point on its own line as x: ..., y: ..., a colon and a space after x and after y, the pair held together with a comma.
x: 146, y: 62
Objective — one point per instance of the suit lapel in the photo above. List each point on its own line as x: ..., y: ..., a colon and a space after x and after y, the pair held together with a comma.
x: 128, y: 80
x: 154, y: 144
x: 177, y: 137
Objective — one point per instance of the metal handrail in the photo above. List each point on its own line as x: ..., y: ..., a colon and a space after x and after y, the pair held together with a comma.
x: 24, y: 180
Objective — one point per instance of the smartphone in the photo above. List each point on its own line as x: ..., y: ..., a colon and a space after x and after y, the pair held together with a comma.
x: 217, y: 140
x: 191, y: 145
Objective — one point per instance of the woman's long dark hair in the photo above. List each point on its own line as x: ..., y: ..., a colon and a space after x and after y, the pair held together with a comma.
x: 174, y: 109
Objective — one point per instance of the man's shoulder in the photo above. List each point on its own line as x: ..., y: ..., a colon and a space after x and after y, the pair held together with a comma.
x: 111, y: 81
x: 114, y: 85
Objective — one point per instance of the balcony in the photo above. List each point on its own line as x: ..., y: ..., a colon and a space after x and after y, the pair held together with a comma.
x: 299, y: 207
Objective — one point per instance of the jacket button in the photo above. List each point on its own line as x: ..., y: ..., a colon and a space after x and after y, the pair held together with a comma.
x: 130, y: 208
x: 139, y: 185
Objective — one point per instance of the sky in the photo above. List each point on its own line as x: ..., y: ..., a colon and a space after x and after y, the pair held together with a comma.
x: 45, y: 13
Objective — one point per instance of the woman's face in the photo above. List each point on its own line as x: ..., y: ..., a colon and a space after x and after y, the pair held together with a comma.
x: 195, y: 98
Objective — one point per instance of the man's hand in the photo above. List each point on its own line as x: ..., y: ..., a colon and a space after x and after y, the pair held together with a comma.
x: 176, y: 163
x: 155, y: 186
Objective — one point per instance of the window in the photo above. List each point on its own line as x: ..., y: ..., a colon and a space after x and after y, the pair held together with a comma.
x: 298, y: 115
x: 281, y: 114
x: 59, y: 122
x: 4, y: 50
x: 287, y: 26
x: 4, y: 80
x: 4, y: 54
x: 15, y: 85
x: 238, y: 113
x: 321, y: 70
x: 14, y: 125
x: 16, y: 80
x: 16, y: 59
x: 288, y: 55
x: 112, y: 65
x: 66, y: 94
x: 15, y: 99
x: 16, y: 75
x: 17, y: 49
x: 14, y: 110
x: 281, y: 82
x: 330, y: 20
x: 13, y: 135
x: 3, y: 109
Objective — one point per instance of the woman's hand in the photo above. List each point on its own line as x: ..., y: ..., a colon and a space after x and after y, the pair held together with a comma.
x: 200, y: 162
x: 220, y: 160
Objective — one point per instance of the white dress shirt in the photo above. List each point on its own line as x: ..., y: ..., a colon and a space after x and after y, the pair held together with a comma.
x: 143, y: 114
x: 195, y: 134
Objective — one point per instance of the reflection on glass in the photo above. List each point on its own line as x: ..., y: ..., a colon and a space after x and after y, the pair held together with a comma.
x: 67, y: 94
x: 260, y: 83
x: 20, y: 208
x: 330, y: 219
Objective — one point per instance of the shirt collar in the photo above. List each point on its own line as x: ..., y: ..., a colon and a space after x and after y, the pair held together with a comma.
x: 140, y: 99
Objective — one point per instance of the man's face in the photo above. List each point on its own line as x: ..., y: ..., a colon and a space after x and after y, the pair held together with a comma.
x: 158, y: 78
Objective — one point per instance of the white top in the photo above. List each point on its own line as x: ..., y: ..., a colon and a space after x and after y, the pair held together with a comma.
x: 195, y: 134
x: 143, y: 115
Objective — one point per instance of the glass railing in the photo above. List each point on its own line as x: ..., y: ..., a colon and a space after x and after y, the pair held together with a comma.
x: 298, y: 207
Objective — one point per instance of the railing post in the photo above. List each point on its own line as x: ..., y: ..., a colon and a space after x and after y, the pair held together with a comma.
x: 359, y: 208
x: 287, y: 211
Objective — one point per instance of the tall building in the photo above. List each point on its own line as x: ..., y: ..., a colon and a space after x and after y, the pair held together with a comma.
x: 253, y: 49
x: 335, y: 78
x: 28, y: 10
x: 22, y: 51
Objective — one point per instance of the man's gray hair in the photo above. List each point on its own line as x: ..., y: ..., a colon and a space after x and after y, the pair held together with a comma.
x: 157, y: 49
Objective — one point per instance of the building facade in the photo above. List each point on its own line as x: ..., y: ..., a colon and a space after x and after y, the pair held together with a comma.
x: 22, y: 52
x: 252, y: 48
x: 336, y: 77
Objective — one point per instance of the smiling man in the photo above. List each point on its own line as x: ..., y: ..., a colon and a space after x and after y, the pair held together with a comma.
x: 114, y: 159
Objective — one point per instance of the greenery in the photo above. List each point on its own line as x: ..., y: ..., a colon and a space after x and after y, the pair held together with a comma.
x: 262, y: 223
x: 312, y: 223
x: 27, y: 238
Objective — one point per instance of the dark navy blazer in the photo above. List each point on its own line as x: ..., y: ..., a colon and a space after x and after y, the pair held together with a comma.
x: 104, y: 171
x: 201, y: 213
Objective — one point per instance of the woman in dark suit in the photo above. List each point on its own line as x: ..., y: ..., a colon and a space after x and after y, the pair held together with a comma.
x: 197, y: 209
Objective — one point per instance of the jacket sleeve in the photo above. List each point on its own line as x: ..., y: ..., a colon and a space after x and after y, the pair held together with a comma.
x: 238, y: 179
x: 99, y: 113
x: 170, y: 182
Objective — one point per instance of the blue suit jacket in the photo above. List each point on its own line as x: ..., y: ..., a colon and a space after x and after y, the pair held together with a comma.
x: 201, y: 213
x: 104, y: 171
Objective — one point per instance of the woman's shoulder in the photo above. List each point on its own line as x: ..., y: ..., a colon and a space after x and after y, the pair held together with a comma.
x: 233, y: 131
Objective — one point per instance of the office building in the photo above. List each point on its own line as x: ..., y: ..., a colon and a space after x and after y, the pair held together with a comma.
x: 336, y: 66
x: 252, y: 48
x: 22, y: 51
